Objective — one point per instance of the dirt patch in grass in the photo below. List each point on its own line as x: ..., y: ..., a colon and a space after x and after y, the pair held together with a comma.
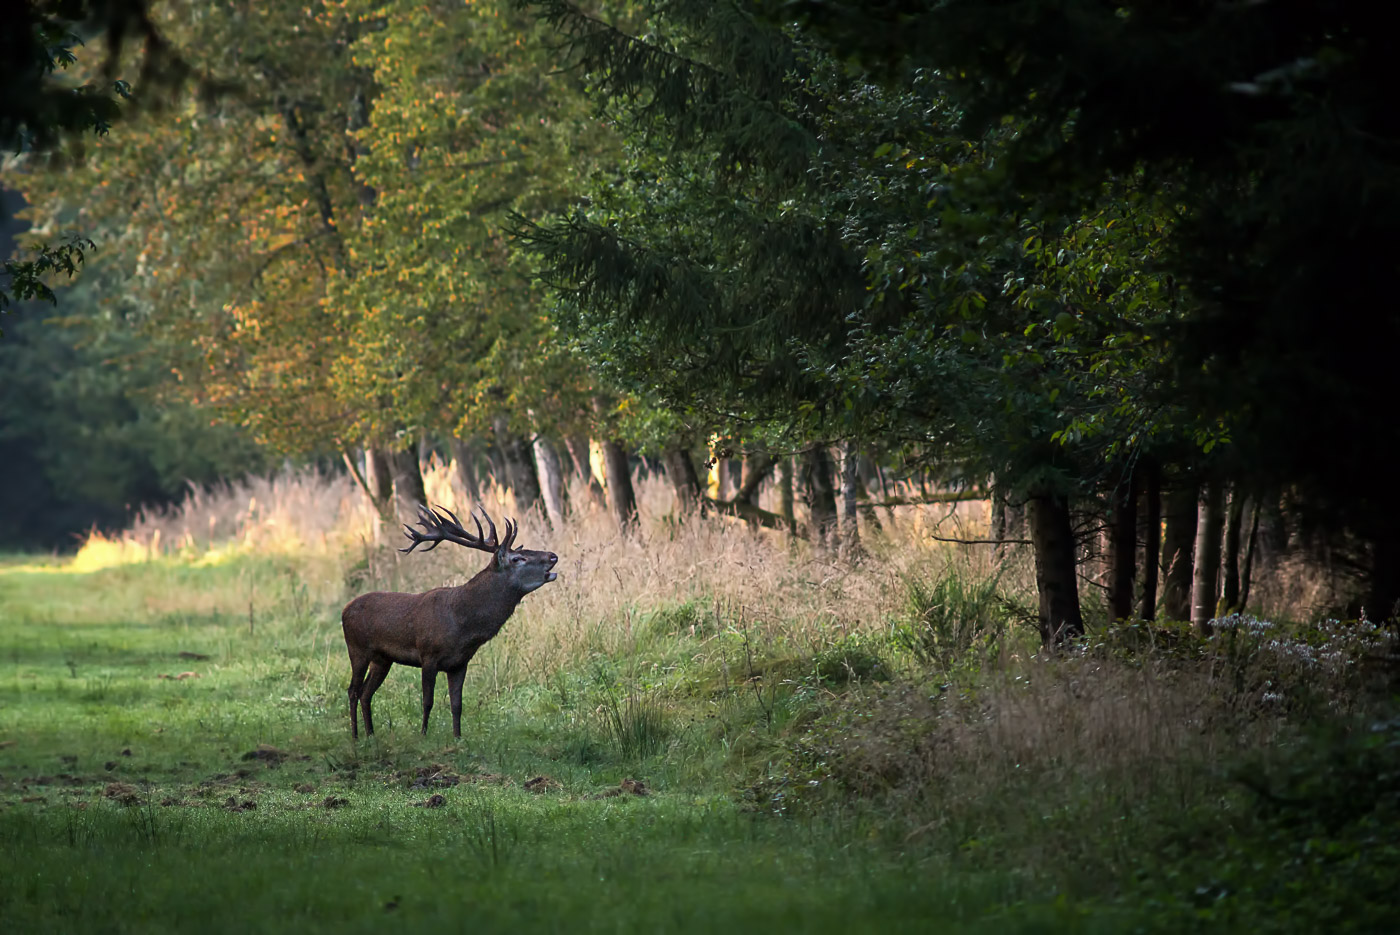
x: 440, y: 776
x: 122, y: 793
x: 541, y: 784
x: 271, y: 756
x: 627, y: 787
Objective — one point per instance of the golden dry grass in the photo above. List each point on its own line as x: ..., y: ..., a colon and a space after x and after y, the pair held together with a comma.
x: 783, y: 589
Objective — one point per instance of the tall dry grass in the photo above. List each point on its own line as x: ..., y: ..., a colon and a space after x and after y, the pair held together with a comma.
x: 608, y: 581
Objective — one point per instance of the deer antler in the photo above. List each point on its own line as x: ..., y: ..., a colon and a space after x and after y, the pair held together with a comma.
x: 438, y: 528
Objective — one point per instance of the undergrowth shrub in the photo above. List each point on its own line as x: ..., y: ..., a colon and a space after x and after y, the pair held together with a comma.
x: 1327, y: 668
x: 855, y: 657
x: 1314, y: 851
x: 956, y: 617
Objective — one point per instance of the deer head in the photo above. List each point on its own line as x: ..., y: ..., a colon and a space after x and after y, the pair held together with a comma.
x: 523, y: 569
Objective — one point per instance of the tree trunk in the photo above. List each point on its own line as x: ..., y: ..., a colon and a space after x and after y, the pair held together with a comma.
x: 551, y: 475
x: 1178, y: 552
x: 1247, y: 575
x: 681, y: 471
x: 622, y: 500
x: 998, y: 519
x: 375, y: 480
x: 1122, y: 548
x: 1205, y: 586
x: 497, y: 466
x: 1234, y: 517
x: 1015, y: 519
x: 785, y: 501
x: 1152, y: 540
x: 379, y: 478
x: 519, y: 465
x: 864, y: 508
x: 464, y: 458
x: 730, y: 477
x: 756, y: 468
x: 408, y: 482
x: 1052, y: 542
x: 873, y: 479
x: 578, y: 454
x: 821, y: 497
x: 1273, y: 533
x: 850, y: 523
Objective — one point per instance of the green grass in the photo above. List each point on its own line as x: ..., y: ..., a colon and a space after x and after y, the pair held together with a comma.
x: 234, y: 799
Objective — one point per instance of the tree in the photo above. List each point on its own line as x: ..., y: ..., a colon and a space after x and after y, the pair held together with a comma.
x: 88, y: 433
x: 230, y: 215
x: 787, y: 250
x: 1273, y: 118
x: 43, y: 105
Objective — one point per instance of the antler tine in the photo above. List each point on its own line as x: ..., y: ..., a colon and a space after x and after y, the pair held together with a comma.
x: 493, y: 542
x: 432, y: 531
x: 438, y: 528
x: 511, y: 530
x: 444, y: 509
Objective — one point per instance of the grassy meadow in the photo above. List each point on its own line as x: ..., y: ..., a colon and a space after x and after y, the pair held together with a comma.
x: 695, y: 728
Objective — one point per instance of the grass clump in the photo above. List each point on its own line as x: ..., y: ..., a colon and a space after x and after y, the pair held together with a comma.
x: 957, y: 616
x: 855, y: 657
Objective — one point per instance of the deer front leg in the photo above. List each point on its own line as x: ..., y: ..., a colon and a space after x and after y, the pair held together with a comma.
x: 454, y: 691
x: 429, y: 684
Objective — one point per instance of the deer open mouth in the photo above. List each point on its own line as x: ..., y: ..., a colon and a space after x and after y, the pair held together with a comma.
x: 551, y: 576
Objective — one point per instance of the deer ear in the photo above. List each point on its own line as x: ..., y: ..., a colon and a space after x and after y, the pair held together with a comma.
x: 501, y: 558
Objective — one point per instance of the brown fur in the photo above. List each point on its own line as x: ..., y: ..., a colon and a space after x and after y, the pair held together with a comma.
x: 439, y: 630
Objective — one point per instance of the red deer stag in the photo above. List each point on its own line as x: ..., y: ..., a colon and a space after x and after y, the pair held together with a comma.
x: 439, y: 630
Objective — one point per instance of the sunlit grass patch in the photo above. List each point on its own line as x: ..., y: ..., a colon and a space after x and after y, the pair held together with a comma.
x: 98, y: 552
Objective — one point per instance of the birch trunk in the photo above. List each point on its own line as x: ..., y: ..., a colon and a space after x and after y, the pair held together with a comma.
x: 551, y: 475
x: 1205, y: 585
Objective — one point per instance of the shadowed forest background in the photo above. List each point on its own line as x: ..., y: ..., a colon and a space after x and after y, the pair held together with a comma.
x: 966, y: 429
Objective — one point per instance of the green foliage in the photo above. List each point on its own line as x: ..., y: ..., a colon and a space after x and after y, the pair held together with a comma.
x: 1318, y: 852
x: 44, y: 103
x: 852, y: 658
x: 956, y: 618
x: 856, y: 273
x: 27, y: 280
x: 87, y: 435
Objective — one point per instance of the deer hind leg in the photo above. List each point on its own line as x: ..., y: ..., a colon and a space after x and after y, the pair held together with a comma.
x: 375, y: 678
x: 358, y: 665
x: 429, y: 684
x: 454, y: 691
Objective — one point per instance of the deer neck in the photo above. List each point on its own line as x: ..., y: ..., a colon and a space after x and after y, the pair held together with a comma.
x: 487, y: 598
